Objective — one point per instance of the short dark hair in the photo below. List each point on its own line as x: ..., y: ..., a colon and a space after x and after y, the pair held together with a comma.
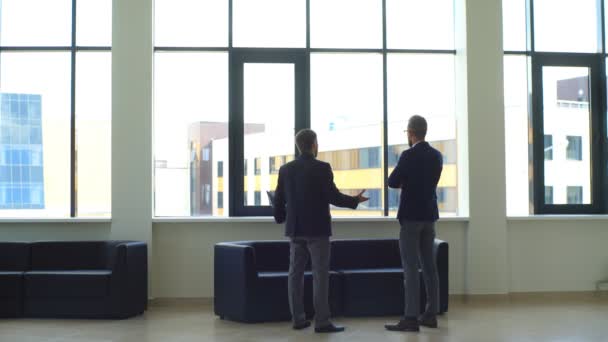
x: 305, y: 138
x: 417, y: 125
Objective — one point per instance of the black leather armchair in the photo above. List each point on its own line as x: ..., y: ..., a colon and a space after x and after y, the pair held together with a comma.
x: 77, y: 279
x: 14, y: 260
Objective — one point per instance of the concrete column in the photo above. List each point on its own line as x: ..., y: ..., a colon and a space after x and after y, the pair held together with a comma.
x: 481, y: 140
x: 132, y: 54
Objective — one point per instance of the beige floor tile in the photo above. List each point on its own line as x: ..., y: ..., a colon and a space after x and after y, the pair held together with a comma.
x: 528, y: 319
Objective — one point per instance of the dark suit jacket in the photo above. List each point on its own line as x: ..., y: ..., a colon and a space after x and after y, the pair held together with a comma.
x: 304, y: 191
x: 417, y: 174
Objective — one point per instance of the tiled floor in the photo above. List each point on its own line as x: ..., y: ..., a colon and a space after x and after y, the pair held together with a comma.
x: 533, y: 318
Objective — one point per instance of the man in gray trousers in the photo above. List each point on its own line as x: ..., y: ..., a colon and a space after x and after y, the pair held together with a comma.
x: 305, y: 189
x: 417, y: 174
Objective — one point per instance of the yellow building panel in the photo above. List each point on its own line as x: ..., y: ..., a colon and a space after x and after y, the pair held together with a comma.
x: 449, y: 176
x: 274, y: 179
x: 358, y: 179
x: 220, y: 184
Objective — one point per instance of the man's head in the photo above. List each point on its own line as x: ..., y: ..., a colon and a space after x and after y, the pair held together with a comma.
x: 306, y: 141
x: 416, y: 129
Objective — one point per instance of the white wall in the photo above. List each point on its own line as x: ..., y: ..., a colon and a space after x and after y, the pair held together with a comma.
x: 27, y: 231
x: 183, y: 252
x: 557, y: 254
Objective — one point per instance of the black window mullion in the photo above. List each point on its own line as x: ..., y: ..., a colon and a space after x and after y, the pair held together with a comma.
x: 385, y: 113
x: 73, y: 151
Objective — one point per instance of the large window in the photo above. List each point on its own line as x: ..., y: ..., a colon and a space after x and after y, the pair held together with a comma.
x: 554, y: 107
x: 55, y: 85
x: 238, y: 78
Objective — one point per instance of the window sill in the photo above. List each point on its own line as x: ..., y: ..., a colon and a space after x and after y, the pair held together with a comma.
x: 56, y: 220
x: 597, y: 217
x: 268, y: 219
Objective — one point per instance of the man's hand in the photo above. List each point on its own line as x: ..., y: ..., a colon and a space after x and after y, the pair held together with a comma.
x: 361, y: 198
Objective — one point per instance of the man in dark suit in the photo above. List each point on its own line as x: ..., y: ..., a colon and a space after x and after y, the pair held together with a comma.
x: 417, y: 174
x: 305, y: 189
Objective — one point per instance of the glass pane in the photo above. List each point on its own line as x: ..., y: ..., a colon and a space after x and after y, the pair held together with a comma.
x: 94, y: 22
x: 566, y: 26
x: 191, y: 23
x: 424, y: 85
x: 35, y: 22
x: 93, y: 133
x: 514, y: 25
x: 516, y: 135
x: 347, y: 115
x: 346, y: 24
x: 269, y: 23
x: 35, y: 134
x: 269, y: 114
x: 567, y: 118
x: 413, y: 24
x: 191, y: 134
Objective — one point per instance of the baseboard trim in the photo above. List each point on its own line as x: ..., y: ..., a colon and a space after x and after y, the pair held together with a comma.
x: 170, y: 301
x: 512, y: 296
x: 457, y: 298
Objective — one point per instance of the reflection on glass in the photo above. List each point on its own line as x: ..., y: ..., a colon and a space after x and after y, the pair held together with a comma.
x: 35, y: 22
x: 514, y: 25
x: 191, y: 23
x: 424, y: 85
x: 346, y: 24
x: 35, y: 134
x: 191, y: 134
x: 94, y: 23
x: 413, y: 24
x: 516, y: 135
x: 566, y: 117
x: 269, y: 115
x: 269, y: 23
x: 346, y: 102
x: 566, y: 26
x: 93, y: 133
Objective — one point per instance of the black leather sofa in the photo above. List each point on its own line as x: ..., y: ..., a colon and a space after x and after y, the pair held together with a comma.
x: 366, y: 279
x: 75, y: 279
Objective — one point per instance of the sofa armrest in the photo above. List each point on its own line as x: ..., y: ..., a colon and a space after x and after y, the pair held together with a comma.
x: 128, y: 261
x: 234, y: 276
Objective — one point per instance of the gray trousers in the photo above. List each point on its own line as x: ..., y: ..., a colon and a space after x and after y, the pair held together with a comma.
x: 300, y: 247
x: 416, y: 242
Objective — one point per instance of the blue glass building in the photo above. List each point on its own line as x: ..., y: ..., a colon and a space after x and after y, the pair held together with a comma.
x: 21, y: 163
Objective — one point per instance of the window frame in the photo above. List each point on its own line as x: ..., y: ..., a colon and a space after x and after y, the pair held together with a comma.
x: 597, y: 130
x: 302, y: 120
x: 73, y: 49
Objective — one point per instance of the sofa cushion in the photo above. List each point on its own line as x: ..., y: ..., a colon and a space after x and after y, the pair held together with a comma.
x: 11, y: 284
x: 78, y: 283
x: 365, y: 254
x: 68, y: 255
x: 271, y: 302
x: 374, y: 292
x: 14, y: 256
x: 271, y: 256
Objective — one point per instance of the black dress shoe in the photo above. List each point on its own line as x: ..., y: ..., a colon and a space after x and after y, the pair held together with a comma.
x: 404, y: 325
x: 301, y: 325
x: 329, y: 329
x: 428, y: 321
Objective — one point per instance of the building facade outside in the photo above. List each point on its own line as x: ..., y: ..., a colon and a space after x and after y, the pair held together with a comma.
x: 21, y: 153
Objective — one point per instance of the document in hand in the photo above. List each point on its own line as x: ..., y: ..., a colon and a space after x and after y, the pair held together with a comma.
x: 270, y: 197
